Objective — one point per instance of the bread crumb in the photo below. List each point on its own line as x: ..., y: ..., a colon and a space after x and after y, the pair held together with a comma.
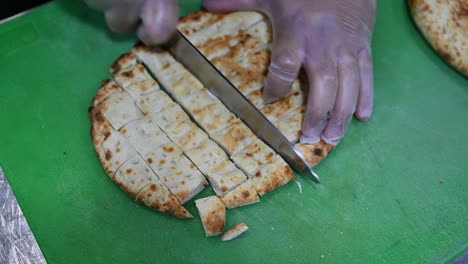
x: 441, y: 181
x: 322, y: 257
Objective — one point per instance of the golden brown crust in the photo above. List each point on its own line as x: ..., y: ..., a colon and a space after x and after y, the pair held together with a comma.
x: 242, y: 195
x: 124, y: 61
x: 213, y: 215
x: 197, y: 21
x: 157, y: 196
x: 235, y: 232
x: 444, y: 23
x: 272, y: 176
x: 108, y: 87
x: 314, y: 153
x: 246, y: 66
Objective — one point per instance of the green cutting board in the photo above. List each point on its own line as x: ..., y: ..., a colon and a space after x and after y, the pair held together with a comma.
x: 394, y: 191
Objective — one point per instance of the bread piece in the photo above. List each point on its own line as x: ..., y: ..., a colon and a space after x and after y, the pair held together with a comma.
x: 194, y: 102
x: 145, y: 135
x: 119, y: 109
x: 256, y: 98
x: 242, y: 195
x: 176, y: 171
x: 445, y: 26
x: 108, y: 87
x: 134, y: 175
x: 114, y: 151
x: 154, y: 102
x: 314, y: 153
x: 104, y: 136
x: 246, y: 66
x: 273, y: 175
x: 262, y: 31
x: 234, y: 232
x: 224, y: 176
x: 216, y: 25
x: 213, y: 215
x: 253, y: 157
x: 158, y: 197
x: 234, y: 138
x: 164, y: 158
x: 283, y: 107
x: 192, y: 139
x: 133, y: 74
x: 214, y: 117
x: 166, y: 69
x: 124, y: 61
x: 170, y: 117
x: 220, y: 46
x: 290, y: 126
x: 206, y: 155
x: 141, y: 89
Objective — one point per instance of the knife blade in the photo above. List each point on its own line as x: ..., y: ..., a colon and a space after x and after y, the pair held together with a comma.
x: 222, y: 88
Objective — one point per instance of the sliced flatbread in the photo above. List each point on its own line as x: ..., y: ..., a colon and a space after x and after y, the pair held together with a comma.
x: 242, y: 195
x: 213, y: 118
x: 234, y: 232
x: 134, y: 74
x: 183, y: 179
x: 154, y: 102
x: 114, y: 151
x: 124, y: 61
x: 234, y: 138
x: 291, y: 125
x: 108, y: 87
x: 145, y: 135
x: 119, y: 109
x: 273, y: 175
x: 134, y: 175
x: 253, y: 157
x: 158, y: 197
x: 224, y: 176
x: 314, y: 153
x: 202, y: 26
x: 141, y: 89
x: 445, y: 26
x: 213, y: 215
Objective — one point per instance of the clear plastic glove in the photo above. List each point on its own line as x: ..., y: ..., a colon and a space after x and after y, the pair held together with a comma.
x: 331, y: 40
x: 158, y: 17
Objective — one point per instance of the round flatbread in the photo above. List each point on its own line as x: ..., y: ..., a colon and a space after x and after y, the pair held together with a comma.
x: 444, y: 23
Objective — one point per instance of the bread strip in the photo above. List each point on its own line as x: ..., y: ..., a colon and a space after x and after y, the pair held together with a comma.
x: 291, y: 125
x: 213, y: 215
x: 213, y: 26
x: 314, y: 153
x: 242, y: 195
x: 119, y: 109
x: 124, y: 61
x: 158, y: 197
x: 234, y: 232
x: 213, y: 119
x: 253, y: 157
x: 108, y: 87
x: 273, y: 175
x: 133, y: 74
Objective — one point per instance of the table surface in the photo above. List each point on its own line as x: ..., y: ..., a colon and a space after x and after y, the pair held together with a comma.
x: 382, y: 199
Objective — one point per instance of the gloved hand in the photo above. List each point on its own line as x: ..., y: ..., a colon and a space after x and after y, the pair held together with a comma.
x: 158, y: 17
x: 331, y: 40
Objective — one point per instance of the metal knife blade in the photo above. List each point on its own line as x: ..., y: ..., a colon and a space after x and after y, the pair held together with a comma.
x: 222, y: 88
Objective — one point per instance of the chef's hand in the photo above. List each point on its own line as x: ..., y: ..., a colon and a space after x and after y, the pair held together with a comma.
x: 158, y: 17
x: 331, y: 39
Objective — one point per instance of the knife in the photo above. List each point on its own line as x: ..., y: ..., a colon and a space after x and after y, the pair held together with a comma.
x: 222, y: 88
